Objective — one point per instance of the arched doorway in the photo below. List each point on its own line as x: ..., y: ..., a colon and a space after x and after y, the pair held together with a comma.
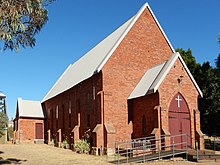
x: 179, y: 120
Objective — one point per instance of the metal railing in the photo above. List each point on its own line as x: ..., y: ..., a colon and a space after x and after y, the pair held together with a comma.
x: 148, y: 148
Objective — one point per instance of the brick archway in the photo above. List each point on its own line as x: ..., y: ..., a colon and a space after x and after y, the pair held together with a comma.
x: 179, y: 119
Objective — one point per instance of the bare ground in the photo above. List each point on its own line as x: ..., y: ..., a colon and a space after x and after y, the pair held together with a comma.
x: 43, y: 154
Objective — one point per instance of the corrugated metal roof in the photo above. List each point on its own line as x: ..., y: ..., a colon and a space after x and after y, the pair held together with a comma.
x: 152, y: 79
x: 28, y: 108
x: 94, y: 60
x: 146, y: 81
x: 86, y: 65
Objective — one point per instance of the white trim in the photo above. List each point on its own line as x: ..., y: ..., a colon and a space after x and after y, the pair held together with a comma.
x: 121, y: 38
x: 99, y: 65
x: 162, y: 75
x: 161, y: 29
x: 169, y: 66
x: 173, y: 60
x: 146, y: 5
x: 45, y: 97
x: 190, y: 75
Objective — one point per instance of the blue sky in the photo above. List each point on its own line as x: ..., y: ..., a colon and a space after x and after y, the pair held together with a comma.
x: 75, y: 26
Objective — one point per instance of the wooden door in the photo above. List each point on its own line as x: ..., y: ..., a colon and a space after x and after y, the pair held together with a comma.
x: 179, y: 120
x: 38, y: 131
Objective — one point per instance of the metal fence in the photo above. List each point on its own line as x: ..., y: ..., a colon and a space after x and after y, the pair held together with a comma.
x: 148, y: 148
x: 212, y: 143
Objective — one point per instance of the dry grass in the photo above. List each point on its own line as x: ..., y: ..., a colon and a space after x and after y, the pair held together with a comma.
x: 43, y: 154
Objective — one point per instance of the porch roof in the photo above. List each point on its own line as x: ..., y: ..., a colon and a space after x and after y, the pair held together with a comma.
x: 153, y: 77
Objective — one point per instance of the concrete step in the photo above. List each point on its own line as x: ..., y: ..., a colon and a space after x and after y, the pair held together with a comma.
x: 39, y: 141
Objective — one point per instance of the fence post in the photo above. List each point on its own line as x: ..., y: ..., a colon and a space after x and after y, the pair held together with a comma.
x: 144, y: 149
x: 214, y: 144
x: 159, y: 148
x: 118, y: 154
x: 173, y: 146
x: 127, y: 152
x: 186, y: 147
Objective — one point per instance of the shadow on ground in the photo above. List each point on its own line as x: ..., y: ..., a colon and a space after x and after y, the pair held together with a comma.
x: 11, y: 161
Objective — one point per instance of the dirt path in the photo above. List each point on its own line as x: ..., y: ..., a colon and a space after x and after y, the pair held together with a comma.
x: 44, y: 154
x: 32, y: 154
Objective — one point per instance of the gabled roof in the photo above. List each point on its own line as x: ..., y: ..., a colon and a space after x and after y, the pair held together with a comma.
x: 146, y: 81
x: 152, y: 79
x: 93, y: 61
x: 28, y: 108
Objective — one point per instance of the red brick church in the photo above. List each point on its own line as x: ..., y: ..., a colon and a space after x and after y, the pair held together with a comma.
x: 132, y: 84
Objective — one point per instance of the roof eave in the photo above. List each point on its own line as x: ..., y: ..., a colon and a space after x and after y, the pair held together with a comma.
x: 190, y: 75
x: 46, y: 96
x: 177, y: 55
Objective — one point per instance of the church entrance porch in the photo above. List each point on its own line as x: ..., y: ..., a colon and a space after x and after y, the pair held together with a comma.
x: 179, y: 120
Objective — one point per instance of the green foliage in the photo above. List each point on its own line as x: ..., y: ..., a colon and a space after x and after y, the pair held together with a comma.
x: 20, y: 21
x: 82, y: 146
x: 217, y: 62
x: 3, y: 123
x: 208, y: 80
x: 65, y: 144
x: 52, y: 142
x: 189, y: 59
x: 10, y: 132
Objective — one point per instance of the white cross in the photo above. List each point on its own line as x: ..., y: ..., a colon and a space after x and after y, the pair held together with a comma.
x: 178, y: 99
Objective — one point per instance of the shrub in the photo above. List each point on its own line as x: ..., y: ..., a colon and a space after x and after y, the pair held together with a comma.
x: 82, y: 146
x: 65, y: 144
x: 51, y: 142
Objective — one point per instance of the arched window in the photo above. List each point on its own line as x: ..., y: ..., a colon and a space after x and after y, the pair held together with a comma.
x: 144, y: 125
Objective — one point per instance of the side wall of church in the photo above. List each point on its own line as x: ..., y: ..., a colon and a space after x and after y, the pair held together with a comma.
x: 143, y: 47
x: 170, y: 87
x: 78, y: 106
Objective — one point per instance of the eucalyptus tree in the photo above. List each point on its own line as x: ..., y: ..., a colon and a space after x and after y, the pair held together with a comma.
x: 20, y: 21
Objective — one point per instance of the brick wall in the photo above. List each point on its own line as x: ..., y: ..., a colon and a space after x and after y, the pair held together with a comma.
x: 169, y: 88
x: 144, y: 106
x: 143, y: 47
x: 27, y: 129
x: 78, y: 96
